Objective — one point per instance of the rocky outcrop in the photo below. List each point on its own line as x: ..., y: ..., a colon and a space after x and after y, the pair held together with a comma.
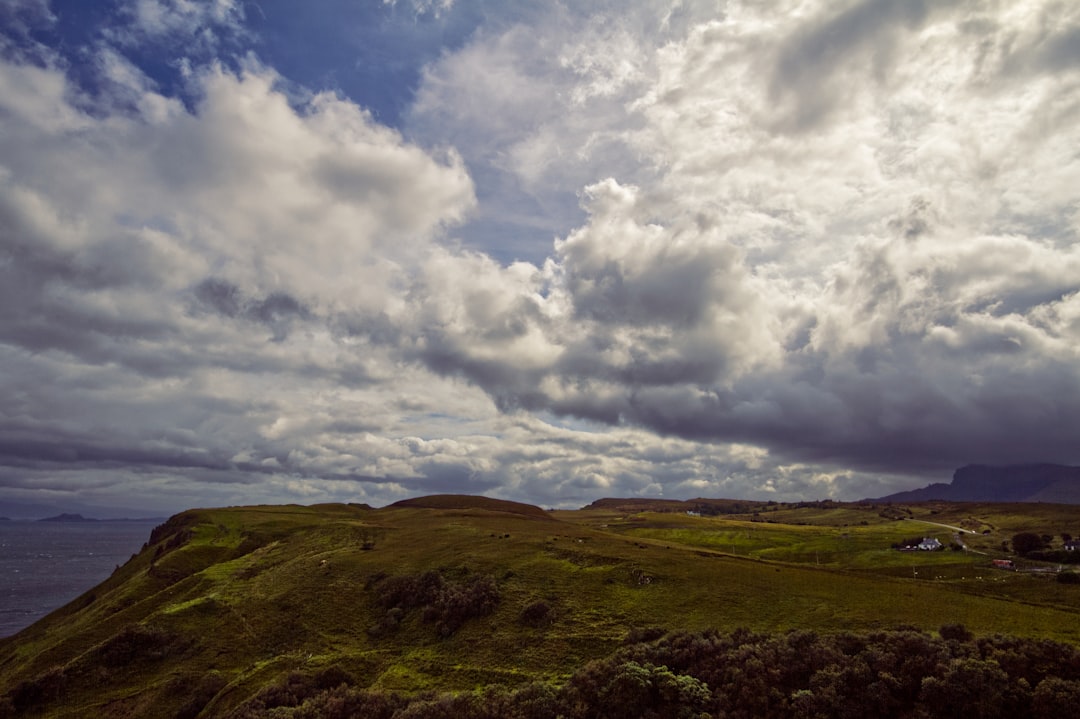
x: 1014, y: 483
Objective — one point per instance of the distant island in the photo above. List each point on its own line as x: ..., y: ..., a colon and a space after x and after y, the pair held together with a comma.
x: 68, y: 518
x: 1053, y: 483
x: 75, y: 518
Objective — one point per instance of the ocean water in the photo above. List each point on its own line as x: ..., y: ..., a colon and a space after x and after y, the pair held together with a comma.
x: 44, y: 565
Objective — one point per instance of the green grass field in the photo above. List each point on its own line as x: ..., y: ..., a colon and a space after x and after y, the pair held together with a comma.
x: 249, y: 594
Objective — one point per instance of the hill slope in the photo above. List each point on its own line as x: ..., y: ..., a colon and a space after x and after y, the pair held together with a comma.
x: 458, y: 594
x: 469, y: 502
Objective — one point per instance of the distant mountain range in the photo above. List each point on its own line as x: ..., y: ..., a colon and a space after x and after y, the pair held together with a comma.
x: 1015, y: 483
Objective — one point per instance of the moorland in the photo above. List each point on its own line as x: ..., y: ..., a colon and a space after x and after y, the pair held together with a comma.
x: 457, y: 606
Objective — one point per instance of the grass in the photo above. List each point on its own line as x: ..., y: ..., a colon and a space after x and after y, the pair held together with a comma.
x: 255, y: 592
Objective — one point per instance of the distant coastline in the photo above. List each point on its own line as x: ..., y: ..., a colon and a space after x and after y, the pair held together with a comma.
x: 75, y: 518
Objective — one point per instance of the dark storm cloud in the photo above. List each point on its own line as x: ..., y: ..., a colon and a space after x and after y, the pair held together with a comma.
x: 30, y: 453
x: 921, y: 354
x: 895, y: 420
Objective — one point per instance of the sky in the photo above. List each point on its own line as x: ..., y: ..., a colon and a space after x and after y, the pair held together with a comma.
x: 361, y: 250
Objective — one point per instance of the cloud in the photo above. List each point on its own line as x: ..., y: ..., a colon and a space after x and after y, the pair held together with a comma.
x: 204, y: 22
x: 20, y: 16
x: 425, y: 7
x: 170, y: 277
x: 817, y: 63
x: 772, y: 288
x: 781, y: 255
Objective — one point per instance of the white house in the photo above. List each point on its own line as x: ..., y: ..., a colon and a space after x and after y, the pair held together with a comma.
x: 929, y: 544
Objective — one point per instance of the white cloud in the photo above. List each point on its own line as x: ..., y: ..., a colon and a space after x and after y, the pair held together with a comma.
x: 424, y: 7
x: 200, y: 19
x: 180, y: 277
x: 839, y: 232
x: 791, y: 266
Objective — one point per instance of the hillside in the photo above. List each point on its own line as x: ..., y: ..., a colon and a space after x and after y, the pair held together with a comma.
x: 1016, y: 483
x: 452, y: 594
x: 467, y: 502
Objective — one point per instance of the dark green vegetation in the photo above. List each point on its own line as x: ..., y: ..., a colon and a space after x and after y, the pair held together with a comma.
x: 795, y: 675
x: 447, y: 606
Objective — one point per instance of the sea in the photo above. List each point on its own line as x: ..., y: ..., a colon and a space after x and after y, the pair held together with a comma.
x: 44, y: 565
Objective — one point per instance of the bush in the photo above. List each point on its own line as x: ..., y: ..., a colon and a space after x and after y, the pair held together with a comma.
x: 902, y: 673
x: 203, y: 693
x: 1026, y: 542
x: 641, y: 690
x: 1061, y: 556
x: 639, y: 635
x: 296, y: 689
x: 446, y: 604
x: 537, y: 614
x: 346, y: 703
x: 39, y: 691
x: 131, y: 644
x: 955, y: 632
x: 1055, y: 698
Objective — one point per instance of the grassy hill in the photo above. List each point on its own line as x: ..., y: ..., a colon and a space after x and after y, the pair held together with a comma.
x: 452, y: 593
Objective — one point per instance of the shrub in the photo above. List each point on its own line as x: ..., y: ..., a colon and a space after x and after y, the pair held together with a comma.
x: 641, y: 690
x: 1055, y: 698
x: 446, y: 604
x: 537, y: 614
x: 1061, y: 556
x: 1026, y: 542
x: 345, y: 703
x: 133, y: 643
x: 639, y: 635
x: 203, y: 693
x: 902, y: 673
x: 39, y: 691
x: 955, y: 632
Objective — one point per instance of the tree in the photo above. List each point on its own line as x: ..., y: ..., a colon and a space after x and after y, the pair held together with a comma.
x: 1026, y: 542
x: 969, y: 688
x: 1055, y: 698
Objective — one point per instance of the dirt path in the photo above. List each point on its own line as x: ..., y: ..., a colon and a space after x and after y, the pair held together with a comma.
x: 959, y: 530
